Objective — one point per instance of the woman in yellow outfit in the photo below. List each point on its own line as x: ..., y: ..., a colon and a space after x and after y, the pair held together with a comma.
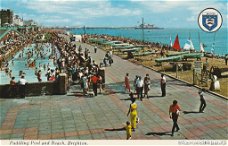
x: 133, y: 115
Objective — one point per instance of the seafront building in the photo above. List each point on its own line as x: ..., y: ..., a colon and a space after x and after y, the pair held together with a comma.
x: 6, y: 17
x: 17, y: 21
x: 10, y: 22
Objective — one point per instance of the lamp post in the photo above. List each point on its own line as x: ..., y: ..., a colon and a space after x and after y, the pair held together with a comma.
x: 143, y: 30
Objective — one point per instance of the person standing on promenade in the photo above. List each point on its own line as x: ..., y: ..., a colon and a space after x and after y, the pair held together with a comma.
x: 22, y: 83
x: 202, y: 102
x: 95, y: 49
x: 85, y: 84
x: 133, y: 113
x: 139, y: 86
x: 105, y: 60
x: 135, y: 81
x: 127, y: 83
x: 94, y: 80
x: 174, y: 111
x: 163, y: 85
x: 100, y: 83
x: 128, y: 130
x: 146, y: 85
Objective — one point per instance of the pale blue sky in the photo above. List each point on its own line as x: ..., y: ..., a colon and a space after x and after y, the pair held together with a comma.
x: 165, y: 13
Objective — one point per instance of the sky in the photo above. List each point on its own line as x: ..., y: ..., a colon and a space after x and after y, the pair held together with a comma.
x: 114, y: 13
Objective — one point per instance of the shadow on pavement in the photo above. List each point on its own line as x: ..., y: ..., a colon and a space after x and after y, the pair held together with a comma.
x: 156, y: 96
x: 115, y: 129
x: 191, y: 112
x: 80, y: 94
x: 127, y: 99
x: 159, y: 133
x: 115, y: 87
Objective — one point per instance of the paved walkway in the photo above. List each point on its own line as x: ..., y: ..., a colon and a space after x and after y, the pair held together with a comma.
x: 73, y: 116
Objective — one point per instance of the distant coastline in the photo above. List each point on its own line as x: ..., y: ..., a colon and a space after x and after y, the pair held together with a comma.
x: 162, y: 36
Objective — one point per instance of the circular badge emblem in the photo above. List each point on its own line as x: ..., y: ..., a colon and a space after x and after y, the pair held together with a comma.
x: 210, y: 20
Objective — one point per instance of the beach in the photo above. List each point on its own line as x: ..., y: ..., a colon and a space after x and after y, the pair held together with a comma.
x: 149, y: 61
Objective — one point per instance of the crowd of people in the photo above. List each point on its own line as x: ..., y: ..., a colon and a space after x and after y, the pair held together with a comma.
x: 139, y: 85
x: 79, y: 65
x: 142, y: 85
x: 9, y: 45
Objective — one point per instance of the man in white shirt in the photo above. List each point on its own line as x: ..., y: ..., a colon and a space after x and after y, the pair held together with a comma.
x: 139, y: 86
x: 163, y: 85
x: 22, y: 82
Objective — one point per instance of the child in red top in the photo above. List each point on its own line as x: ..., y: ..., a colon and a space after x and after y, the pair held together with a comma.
x: 95, y: 80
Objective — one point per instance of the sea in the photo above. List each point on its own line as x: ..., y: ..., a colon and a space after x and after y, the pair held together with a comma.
x: 216, y: 42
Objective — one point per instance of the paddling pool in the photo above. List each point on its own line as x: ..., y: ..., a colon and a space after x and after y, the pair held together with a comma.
x: 20, y: 63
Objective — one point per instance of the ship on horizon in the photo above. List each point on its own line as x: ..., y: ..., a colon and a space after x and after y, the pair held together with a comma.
x: 147, y: 26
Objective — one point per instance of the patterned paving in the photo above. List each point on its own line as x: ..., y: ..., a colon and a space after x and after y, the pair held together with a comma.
x: 102, y: 117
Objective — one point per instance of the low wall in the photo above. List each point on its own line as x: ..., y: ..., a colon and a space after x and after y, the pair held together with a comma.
x: 36, y: 89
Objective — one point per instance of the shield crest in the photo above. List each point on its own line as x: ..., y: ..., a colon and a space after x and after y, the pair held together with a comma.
x: 210, y: 21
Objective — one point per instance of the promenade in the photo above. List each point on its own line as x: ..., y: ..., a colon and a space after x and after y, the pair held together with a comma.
x: 73, y: 116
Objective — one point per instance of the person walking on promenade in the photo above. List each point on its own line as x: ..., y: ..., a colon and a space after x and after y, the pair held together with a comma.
x: 100, y: 83
x: 105, y: 61
x: 85, y: 84
x: 128, y: 130
x: 94, y: 80
x: 133, y: 114
x: 139, y: 86
x: 163, y: 85
x: 174, y: 111
x: 146, y: 85
x: 135, y: 81
x: 95, y: 49
x: 127, y: 83
x: 131, y: 96
x: 202, y: 102
x: 13, y: 88
x: 22, y: 83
